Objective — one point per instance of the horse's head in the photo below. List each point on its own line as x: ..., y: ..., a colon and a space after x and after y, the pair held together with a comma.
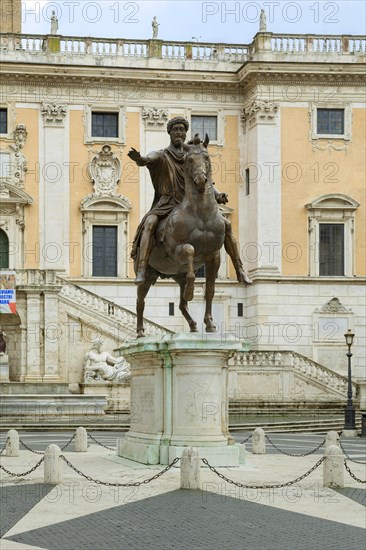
x: 198, y: 164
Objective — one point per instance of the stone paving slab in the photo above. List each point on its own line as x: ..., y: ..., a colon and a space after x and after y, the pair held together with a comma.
x: 18, y: 500
x: 194, y: 519
x: 79, y: 500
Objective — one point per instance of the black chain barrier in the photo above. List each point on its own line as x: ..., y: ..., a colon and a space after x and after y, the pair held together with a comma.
x: 101, y: 444
x: 289, y: 454
x: 23, y: 473
x: 68, y: 443
x: 272, y: 486
x: 29, y: 449
x: 130, y: 484
x: 247, y: 439
x: 349, y: 458
x: 4, y: 446
x: 352, y: 474
x: 42, y: 452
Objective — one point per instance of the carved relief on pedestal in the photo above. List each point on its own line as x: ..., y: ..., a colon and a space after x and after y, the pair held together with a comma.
x: 259, y: 111
x: 154, y: 118
x: 53, y: 114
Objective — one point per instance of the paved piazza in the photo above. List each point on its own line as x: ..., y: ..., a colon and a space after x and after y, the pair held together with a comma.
x: 79, y: 513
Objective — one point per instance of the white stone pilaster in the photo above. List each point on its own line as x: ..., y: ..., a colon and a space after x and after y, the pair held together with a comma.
x: 260, y: 224
x: 33, y: 372
x: 52, y: 331
x: 54, y: 205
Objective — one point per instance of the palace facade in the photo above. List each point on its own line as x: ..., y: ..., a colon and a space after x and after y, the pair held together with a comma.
x: 286, y: 119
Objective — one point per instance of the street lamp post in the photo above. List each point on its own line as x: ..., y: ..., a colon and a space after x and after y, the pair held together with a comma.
x: 349, y: 410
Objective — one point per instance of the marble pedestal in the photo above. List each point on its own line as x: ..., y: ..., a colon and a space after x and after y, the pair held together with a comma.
x: 4, y: 368
x: 179, y: 399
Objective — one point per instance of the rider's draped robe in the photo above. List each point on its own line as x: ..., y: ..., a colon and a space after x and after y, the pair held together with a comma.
x: 166, y: 169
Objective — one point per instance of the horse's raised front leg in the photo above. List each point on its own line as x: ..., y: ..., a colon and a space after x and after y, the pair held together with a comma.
x: 183, y: 304
x: 185, y: 255
x: 212, y: 264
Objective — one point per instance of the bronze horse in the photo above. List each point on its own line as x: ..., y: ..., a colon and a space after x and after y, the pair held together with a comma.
x: 191, y: 236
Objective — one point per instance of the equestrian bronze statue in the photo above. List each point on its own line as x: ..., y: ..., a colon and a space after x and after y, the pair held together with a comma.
x: 184, y: 229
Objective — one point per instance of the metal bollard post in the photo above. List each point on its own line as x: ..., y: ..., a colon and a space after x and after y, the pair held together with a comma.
x: 81, y: 440
x: 12, y: 443
x: 52, y: 465
x: 259, y: 442
x: 190, y: 469
x: 332, y: 438
x: 333, y: 467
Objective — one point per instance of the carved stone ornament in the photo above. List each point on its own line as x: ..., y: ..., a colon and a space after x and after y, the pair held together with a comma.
x: 20, y: 135
x: 259, y: 111
x: 334, y: 306
x: 53, y: 114
x: 155, y: 118
x: 13, y: 161
x: 105, y: 171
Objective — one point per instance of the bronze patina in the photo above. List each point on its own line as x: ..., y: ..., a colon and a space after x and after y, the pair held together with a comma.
x: 184, y: 229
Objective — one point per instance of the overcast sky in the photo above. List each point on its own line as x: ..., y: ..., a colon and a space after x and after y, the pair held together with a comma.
x: 215, y: 21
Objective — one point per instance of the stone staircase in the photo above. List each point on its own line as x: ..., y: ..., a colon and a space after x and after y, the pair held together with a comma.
x: 117, y: 317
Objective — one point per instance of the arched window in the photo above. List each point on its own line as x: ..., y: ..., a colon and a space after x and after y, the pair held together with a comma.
x: 4, y: 250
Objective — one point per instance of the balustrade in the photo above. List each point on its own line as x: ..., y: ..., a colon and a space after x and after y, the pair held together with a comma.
x: 289, y: 359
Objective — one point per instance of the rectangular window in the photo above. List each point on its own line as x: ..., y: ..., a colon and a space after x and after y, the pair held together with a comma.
x: 105, y: 125
x: 104, y: 251
x: 331, y: 249
x: 330, y: 121
x: 203, y: 125
x: 171, y: 308
x: 247, y: 181
x: 3, y: 121
x: 240, y: 310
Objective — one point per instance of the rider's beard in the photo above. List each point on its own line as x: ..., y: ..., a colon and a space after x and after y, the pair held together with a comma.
x: 178, y: 142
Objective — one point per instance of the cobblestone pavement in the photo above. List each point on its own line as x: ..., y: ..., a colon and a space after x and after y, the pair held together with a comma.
x: 194, y: 519
x: 78, y: 513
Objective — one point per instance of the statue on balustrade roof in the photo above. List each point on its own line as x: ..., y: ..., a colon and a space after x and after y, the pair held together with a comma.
x: 155, y: 25
x: 54, y: 23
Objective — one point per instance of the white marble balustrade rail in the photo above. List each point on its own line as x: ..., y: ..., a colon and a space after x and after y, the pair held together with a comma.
x: 290, y: 359
x: 272, y: 46
x: 91, y: 302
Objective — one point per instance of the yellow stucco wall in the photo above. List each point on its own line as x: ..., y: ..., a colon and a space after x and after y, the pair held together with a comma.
x: 227, y: 176
x: 130, y: 180
x: 81, y: 185
x: 320, y: 173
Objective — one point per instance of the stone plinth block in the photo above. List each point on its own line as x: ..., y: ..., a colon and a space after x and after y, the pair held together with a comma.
x: 52, y: 464
x: 4, y: 368
x: 333, y: 467
x: 12, y: 443
x: 81, y: 440
x: 179, y: 398
x: 331, y: 439
x: 190, y: 469
x: 259, y: 442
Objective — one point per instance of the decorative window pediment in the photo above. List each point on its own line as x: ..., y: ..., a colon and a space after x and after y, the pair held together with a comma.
x: 11, y: 194
x: 334, y: 201
x: 98, y: 203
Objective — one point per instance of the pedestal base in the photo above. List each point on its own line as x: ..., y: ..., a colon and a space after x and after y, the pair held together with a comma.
x: 179, y: 392
x: 349, y: 433
x: 152, y: 454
